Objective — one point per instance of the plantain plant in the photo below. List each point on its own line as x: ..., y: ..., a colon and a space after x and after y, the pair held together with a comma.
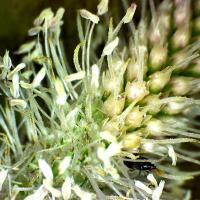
x: 113, y: 125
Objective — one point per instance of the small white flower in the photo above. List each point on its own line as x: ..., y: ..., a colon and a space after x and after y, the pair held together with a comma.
x: 46, y: 169
x: 64, y: 164
x: 158, y: 191
x: 109, y: 48
x: 88, y: 15
x: 172, y: 154
x: 142, y: 186
x: 3, y: 175
x: 39, y: 77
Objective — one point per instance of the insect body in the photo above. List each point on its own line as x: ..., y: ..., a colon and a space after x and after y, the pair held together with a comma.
x: 140, y: 165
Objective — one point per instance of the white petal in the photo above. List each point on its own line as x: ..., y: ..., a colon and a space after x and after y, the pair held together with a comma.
x: 15, y: 82
x: 152, y: 179
x: 129, y: 14
x: 3, y: 175
x: 142, y: 186
x: 46, y: 169
x: 66, y: 188
x: 82, y: 194
x: 95, y: 76
x: 18, y: 102
x: 113, y: 149
x: 102, y: 7
x: 110, y: 47
x: 64, y: 164
x: 14, y: 71
x: 39, y: 194
x: 172, y: 154
x: 76, y: 76
x: 61, y: 94
x: 158, y: 191
x: 39, y: 77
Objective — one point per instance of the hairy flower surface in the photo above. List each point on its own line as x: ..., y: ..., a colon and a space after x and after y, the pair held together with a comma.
x: 115, y: 128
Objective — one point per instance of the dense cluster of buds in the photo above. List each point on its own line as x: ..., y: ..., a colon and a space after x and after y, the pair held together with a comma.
x: 70, y: 135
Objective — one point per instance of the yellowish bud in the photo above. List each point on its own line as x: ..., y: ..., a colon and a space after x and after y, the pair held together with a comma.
x: 181, y: 37
x: 150, y: 101
x: 114, y: 105
x: 154, y: 127
x: 158, y: 80
x: 158, y: 57
x: 136, y: 91
x: 180, y: 86
x: 134, y: 118
x: 131, y: 141
x: 173, y: 108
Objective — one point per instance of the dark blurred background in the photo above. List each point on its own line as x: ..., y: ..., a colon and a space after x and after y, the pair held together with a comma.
x: 16, y: 17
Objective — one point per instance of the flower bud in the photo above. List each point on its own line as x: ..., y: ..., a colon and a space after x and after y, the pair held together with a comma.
x: 150, y: 101
x: 110, y: 84
x: 136, y: 91
x: 158, y: 80
x: 114, y: 105
x: 182, y: 12
x: 180, y: 86
x: 181, y: 37
x: 113, y: 127
x: 154, y: 127
x: 173, y: 108
x: 158, y: 57
x: 134, y: 118
x: 131, y: 141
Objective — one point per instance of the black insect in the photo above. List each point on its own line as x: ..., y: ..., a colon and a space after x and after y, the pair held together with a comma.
x: 140, y: 165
